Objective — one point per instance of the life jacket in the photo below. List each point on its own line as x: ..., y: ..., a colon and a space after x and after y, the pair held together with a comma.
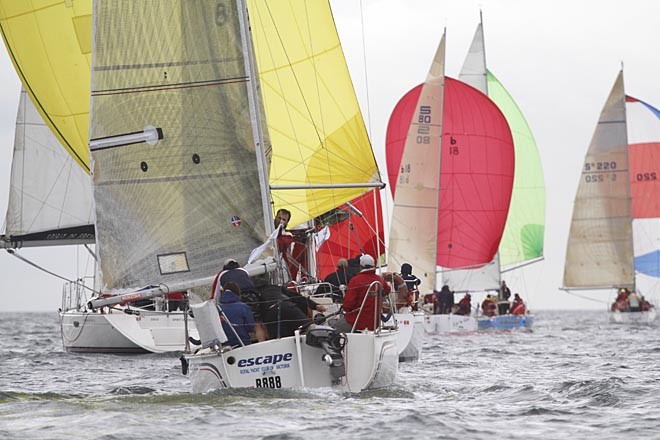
x: 518, y: 309
x: 488, y: 306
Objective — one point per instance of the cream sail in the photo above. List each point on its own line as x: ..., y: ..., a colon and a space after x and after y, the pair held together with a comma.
x: 599, y: 253
x: 414, y: 221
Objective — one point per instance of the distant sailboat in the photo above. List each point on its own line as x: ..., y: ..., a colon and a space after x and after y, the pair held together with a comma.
x: 615, y: 229
x: 451, y: 164
x: 522, y: 241
x: 50, y: 198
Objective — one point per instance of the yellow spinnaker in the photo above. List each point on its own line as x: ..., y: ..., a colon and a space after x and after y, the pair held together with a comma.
x: 314, y: 120
x: 49, y: 42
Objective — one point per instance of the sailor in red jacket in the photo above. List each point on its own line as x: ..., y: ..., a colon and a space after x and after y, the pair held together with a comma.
x: 518, y: 306
x: 358, y: 287
x: 292, y: 247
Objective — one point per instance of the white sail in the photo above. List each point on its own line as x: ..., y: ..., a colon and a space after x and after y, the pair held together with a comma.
x: 486, y: 277
x: 178, y: 181
x: 50, y: 197
x: 599, y: 251
x: 414, y: 225
x: 474, y: 70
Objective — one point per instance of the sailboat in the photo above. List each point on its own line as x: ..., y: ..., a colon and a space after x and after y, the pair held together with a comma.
x: 51, y: 200
x: 184, y: 166
x: 522, y: 241
x: 450, y: 162
x: 613, y: 240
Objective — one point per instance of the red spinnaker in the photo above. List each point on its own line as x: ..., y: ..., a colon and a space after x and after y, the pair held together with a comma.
x: 645, y: 179
x: 477, y: 168
x: 353, y: 234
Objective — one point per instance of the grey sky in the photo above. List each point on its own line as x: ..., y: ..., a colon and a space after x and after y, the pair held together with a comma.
x: 557, y: 59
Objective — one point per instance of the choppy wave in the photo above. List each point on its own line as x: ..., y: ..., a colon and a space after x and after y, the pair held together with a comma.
x: 573, y: 374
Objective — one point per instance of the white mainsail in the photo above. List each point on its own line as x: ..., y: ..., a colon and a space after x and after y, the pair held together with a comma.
x: 50, y: 197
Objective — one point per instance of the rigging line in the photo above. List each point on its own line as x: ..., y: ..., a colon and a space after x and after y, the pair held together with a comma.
x: 586, y: 297
x: 366, y: 78
x: 318, y: 95
x: 316, y: 78
x: 25, y: 260
x: 23, y: 152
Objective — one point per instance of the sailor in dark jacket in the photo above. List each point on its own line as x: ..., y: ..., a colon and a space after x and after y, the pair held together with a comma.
x: 445, y: 300
x: 411, y: 280
x: 237, y: 313
x: 338, y: 278
x: 280, y: 313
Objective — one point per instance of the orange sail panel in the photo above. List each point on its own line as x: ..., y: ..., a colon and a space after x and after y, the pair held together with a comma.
x: 645, y: 179
x: 476, y: 172
x: 354, y: 229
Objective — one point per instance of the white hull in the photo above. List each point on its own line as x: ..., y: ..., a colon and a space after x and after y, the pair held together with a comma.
x: 371, y: 361
x: 411, y: 335
x: 93, y: 332
x: 632, y: 317
x: 447, y: 324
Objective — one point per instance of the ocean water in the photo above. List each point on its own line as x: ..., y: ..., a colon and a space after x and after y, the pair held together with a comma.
x: 574, y: 376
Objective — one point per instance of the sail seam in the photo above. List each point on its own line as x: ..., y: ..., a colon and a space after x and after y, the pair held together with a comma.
x: 186, y: 85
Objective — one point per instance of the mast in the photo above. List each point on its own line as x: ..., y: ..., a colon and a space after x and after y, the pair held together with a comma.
x: 630, y: 200
x: 255, y: 114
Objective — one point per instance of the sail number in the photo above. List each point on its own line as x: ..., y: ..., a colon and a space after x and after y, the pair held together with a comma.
x: 424, y: 131
x: 645, y: 177
x: 269, y: 382
x: 595, y: 178
x: 600, y: 166
x: 595, y: 167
